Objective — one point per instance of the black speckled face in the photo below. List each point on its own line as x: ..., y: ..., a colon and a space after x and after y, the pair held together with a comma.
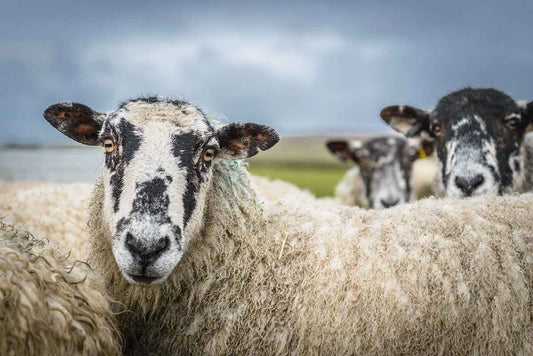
x: 385, y: 165
x: 153, y: 179
x: 478, y: 135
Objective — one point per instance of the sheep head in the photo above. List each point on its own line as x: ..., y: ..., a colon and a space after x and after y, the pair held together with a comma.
x: 478, y: 135
x: 157, y: 174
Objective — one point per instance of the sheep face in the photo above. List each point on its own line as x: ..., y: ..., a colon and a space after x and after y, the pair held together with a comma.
x: 157, y: 173
x: 478, y: 135
x: 385, y: 165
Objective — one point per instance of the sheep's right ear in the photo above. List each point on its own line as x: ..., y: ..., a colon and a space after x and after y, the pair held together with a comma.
x: 407, y: 120
x: 341, y: 149
x: 77, y: 121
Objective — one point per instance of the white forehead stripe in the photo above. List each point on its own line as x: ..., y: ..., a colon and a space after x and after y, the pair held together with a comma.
x: 140, y: 113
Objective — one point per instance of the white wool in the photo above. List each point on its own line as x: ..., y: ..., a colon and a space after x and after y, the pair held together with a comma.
x: 275, y: 189
x: 55, y: 212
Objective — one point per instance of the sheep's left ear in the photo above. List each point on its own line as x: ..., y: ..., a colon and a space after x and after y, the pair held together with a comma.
x: 243, y: 140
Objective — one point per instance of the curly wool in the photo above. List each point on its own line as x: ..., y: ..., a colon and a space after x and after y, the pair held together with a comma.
x: 282, y: 277
x: 47, y: 305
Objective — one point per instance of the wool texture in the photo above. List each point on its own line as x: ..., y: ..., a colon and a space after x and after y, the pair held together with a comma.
x: 281, y: 277
x: 48, y: 306
x: 54, y: 212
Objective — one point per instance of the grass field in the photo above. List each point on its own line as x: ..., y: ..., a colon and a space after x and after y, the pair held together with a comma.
x: 303, y: 161
x: 319, y: 180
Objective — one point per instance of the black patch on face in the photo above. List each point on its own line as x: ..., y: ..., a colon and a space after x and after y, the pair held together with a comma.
x: 152, y: 199
x: 128, y: 142
x: 185, y: 149
x: 492, y: 107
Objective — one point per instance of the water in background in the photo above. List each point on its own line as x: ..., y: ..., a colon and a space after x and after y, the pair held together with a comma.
x: 64, y: 165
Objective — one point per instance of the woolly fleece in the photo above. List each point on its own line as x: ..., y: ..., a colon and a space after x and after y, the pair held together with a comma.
x: 433, y: 277
x: 47, y: 305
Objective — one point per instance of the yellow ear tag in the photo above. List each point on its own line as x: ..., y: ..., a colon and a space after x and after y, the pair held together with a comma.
x: 422, y: 153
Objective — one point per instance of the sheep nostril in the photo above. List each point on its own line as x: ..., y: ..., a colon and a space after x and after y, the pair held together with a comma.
x: 389, y: 202
x: 146, y: 253
x: 132, y: 244
x: 477, y: 181
x: 469, y: 184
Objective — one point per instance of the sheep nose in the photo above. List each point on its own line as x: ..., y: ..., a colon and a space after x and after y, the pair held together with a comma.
x: 469, y: 184
x: 387, y: 203
x: 146, y: 253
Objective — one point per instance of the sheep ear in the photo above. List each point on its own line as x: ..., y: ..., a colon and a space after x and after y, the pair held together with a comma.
x: 341, y: 149
x: 77, y: 121
x: 422, y: 146
x: 243, y: 140
x: 408, y: 120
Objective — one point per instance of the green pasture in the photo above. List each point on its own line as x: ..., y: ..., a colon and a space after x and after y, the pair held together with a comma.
x: 303, y: 161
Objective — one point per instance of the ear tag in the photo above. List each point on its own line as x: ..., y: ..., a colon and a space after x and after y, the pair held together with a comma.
x: 422, y: 153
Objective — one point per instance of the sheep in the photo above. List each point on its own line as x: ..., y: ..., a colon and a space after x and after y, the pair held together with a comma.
x: 478, y: 138
x: 204, y: 267
x: 55, y: 212
x: 275, y: 189
x: 47, y: 306
x: 383, y: 176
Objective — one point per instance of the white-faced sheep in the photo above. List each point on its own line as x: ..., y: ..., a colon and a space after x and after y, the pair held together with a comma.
x: 180, y: 238
x: 384, y: 174
x: 478, y: 138
x: 47, y: 305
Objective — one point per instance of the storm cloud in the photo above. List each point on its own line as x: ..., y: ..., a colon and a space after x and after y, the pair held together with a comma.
x: 301, y: 67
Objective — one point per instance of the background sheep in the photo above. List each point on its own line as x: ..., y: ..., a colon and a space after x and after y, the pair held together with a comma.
x: 47, y: 306
x: 384, y: 173
x: 478, y: 135
x: 290, y: 277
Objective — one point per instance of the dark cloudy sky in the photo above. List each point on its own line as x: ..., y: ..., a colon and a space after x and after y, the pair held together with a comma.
x: 301, y: 66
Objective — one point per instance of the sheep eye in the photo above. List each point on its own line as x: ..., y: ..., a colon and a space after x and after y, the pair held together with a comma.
x: 209, y: 154
x: 511, y: 124
x: 437, y: 129
x: 109, y: 145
